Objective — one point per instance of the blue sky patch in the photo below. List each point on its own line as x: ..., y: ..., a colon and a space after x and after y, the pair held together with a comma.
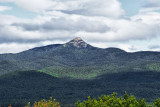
x: 131, y: 7
x: 17, y: 11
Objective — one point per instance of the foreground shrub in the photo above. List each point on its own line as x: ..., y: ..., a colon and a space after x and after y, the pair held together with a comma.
x: 103, y: 101
x: 114, y: 101
x: 45, y: 103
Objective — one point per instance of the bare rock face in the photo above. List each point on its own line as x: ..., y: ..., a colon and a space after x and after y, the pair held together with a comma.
x: 77, y: 42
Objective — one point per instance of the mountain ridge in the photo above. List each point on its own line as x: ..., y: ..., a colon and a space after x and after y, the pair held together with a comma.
x: 77, y: 59
x: 73, y: 43
x: 76, y: 71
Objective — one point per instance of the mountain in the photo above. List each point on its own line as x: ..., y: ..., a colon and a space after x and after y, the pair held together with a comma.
x: 75, y: 70
x: 76, y: 43
x: 77, y: 59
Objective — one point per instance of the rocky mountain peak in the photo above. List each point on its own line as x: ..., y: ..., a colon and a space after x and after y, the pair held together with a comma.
x: 76, y: 42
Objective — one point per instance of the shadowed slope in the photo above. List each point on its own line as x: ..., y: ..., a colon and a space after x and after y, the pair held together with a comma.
x: 20, y: 87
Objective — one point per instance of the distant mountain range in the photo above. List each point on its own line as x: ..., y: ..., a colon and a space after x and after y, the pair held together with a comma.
x: 77, y: 59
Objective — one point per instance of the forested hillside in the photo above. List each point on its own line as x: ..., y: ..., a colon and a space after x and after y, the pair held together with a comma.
x: 77, y: 59
x: 72, y: 71
x: 19, y: 88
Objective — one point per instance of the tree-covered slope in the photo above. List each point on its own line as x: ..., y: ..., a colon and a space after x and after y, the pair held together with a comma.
x: 77, y: 59
x: 18, y: 88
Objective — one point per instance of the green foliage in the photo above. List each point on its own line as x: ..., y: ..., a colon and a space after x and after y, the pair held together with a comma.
x: 32, y: 85
x: 157, y: 103
x: 114, y: 101
x: 44, y: 103
x: 153, y: 66
x: 103, y: 101
x: 87, y: 72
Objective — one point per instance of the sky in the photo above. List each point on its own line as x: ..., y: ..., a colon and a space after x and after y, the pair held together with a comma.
x: 132, y: 25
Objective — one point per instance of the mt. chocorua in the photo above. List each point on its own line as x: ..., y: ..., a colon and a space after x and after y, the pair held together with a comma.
x: 72, y: 71
x: 77, y: 59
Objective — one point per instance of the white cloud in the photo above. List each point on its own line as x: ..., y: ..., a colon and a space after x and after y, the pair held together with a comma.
x: 120, y: 30
x: 34, y: 5
x: 107, y: 8
x: 151, y: 6
x: 150, y: 18
x: 149, y: 9
x: 123, y: 30
x: 19, y: 47
x: 100, y: 23
x: 154, y: 2
x: 71, y: 23
x: 14, y: 47
x: 4, y: 8
x: 6, y: 1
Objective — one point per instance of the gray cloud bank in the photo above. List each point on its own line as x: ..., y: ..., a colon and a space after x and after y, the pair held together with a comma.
x: 65, y: 25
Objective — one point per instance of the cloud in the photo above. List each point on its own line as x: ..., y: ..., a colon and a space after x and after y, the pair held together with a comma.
x: 10, y: 34
x: 123, y: 31
x: 154, y: 47
x: 19, y: 47
x: 106, y: 8
x: 4, y: 8
x: 65, y: 24
x: 2, y: 1
x: 14, y: 47
x: 150, y: 6
x: 98, y: 22
x: 97, y: 29
x: 152, y: 3
x: 31, y: 5
x: 104, y: 29
x: 34, y: 5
